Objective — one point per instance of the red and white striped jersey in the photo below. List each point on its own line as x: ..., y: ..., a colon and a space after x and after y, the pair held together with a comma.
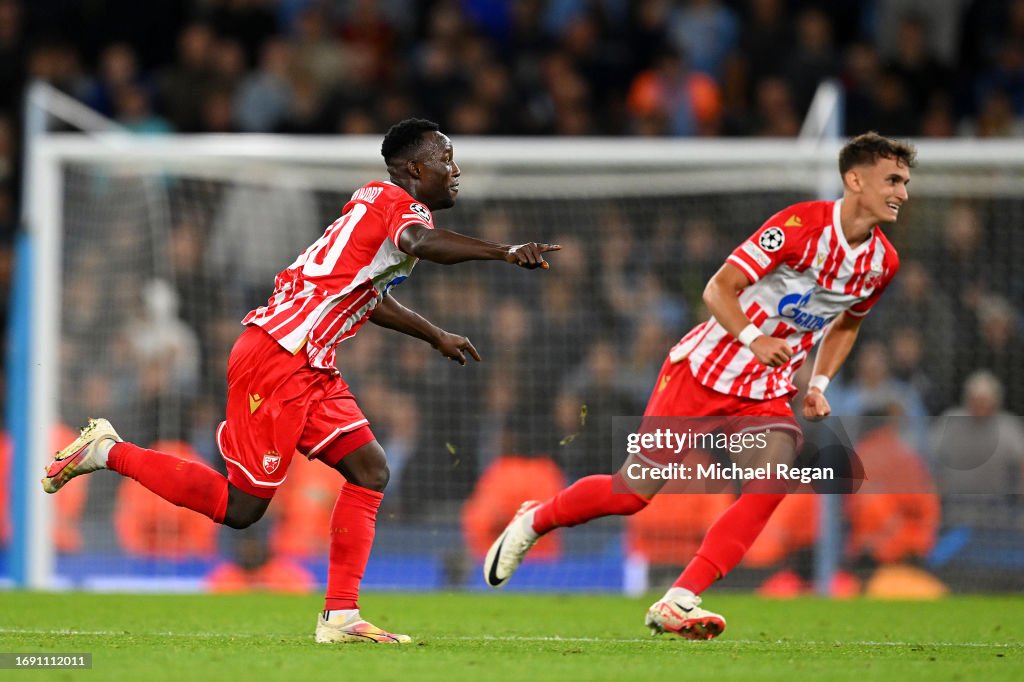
x: 328, y: 293
x: 803, y: 274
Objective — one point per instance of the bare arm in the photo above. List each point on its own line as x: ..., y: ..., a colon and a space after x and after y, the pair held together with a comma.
x: 446, y: 247
x: 832, y: 353
x: 836, y: 344
x: 721, y: 295
x: 391, y: 314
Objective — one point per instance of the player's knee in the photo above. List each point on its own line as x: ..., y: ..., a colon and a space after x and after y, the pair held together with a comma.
x: 243, y: 509
x: 374, y: 478
x: 239, y: 519
x: 366, y: 467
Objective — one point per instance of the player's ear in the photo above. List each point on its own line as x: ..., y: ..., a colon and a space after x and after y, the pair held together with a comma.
x: 412, y: 168
x: 853, y: 180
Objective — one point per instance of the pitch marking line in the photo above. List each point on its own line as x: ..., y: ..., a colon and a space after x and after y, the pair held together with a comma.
x: 509, y: 638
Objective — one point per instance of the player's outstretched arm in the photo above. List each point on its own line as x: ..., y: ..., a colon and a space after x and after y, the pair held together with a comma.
x: 446, y: 247
x: 391, y: 314
x: 722, y: 297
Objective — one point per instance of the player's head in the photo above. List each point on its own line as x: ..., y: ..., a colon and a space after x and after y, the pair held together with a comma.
x: 420, y: 160
x: 876, y: 171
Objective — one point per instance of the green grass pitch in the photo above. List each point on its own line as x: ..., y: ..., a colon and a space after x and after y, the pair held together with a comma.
x: 513, y: 637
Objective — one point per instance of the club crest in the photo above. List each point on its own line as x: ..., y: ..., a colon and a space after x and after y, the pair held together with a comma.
x: 271, y: 461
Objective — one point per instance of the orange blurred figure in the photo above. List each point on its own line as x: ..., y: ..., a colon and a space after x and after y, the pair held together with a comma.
x: 507, y: 482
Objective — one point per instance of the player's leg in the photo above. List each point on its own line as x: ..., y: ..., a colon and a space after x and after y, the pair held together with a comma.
x: 724, y: 545
x: 182, y: 482
x: 589, y: 498
x: 362, y: 462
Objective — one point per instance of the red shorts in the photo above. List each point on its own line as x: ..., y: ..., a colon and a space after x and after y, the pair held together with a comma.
x: 677, y: 393
x: 277, y: 405
x: 681, y: 403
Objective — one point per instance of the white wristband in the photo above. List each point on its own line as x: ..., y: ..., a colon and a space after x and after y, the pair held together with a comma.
x: 749, y: 333
x: 818, y: 381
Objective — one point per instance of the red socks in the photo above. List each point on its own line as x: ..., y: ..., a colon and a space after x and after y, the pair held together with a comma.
x: 353, y: 522
x: 188, y: 484
x: 728, y: 539
x: 587, y: 498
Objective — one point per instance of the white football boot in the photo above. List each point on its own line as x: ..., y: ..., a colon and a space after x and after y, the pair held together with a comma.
x: 354, y: 630
x: 509, y: 550
x: 85, y: 454
x: 679, y: 612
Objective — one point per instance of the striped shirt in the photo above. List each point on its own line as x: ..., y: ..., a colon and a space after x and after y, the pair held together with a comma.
x: 328, y: 293
x: 803, y: 274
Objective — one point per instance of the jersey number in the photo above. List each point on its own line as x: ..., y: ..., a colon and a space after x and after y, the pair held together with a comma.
x: 323, y: 255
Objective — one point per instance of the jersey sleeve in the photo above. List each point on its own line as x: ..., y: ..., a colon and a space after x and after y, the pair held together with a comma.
x: 778, y: 240
x: 405, y: 213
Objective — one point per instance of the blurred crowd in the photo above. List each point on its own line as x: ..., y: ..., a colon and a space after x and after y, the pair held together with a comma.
x: 937, y: 68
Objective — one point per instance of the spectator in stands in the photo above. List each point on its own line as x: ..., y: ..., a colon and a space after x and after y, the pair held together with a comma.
x: 814, y: 57
x: 995, y: 118
x: 264, y: 96
x: 498, y: 493
x: 133, y: 109
x: 184, y: 84
x: 707, y: 31
x: 118, y: 68
x: 872, y: 384
x: 590, y: 398
x: 894, y: 518
x: 775, y: 114
x: 999, y: 348
x: 247, y: 227
x: 978, y: 447
x: 920, y: 305
x: 921, y: 74
x: 672, y: 99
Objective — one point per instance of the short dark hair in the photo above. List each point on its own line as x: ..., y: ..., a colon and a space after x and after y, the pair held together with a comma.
x: 405, y: 136
x: 867, y: 148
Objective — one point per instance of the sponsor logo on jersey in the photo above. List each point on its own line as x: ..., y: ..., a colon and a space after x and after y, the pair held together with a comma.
x: 819, y: 259
x: 664, y: 382
x: 255, y: 400
x: 755, y: 252
x: 791, y: 307
x: 793, y: 221
x: 271, y: 461
x: 422, y: 211
x: 772, y: 239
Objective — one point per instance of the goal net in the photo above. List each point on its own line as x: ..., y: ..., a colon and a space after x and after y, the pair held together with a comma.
x: 150, y: 251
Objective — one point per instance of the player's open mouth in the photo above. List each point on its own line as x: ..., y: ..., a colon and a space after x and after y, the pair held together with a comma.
x: 895, y: 207
x: 454, y: 188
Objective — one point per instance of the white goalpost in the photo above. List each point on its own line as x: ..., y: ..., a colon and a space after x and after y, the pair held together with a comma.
x: 147, y: 251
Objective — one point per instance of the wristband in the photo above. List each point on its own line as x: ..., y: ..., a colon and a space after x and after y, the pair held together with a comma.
x: 749, y: 333
x: 818, y: 381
